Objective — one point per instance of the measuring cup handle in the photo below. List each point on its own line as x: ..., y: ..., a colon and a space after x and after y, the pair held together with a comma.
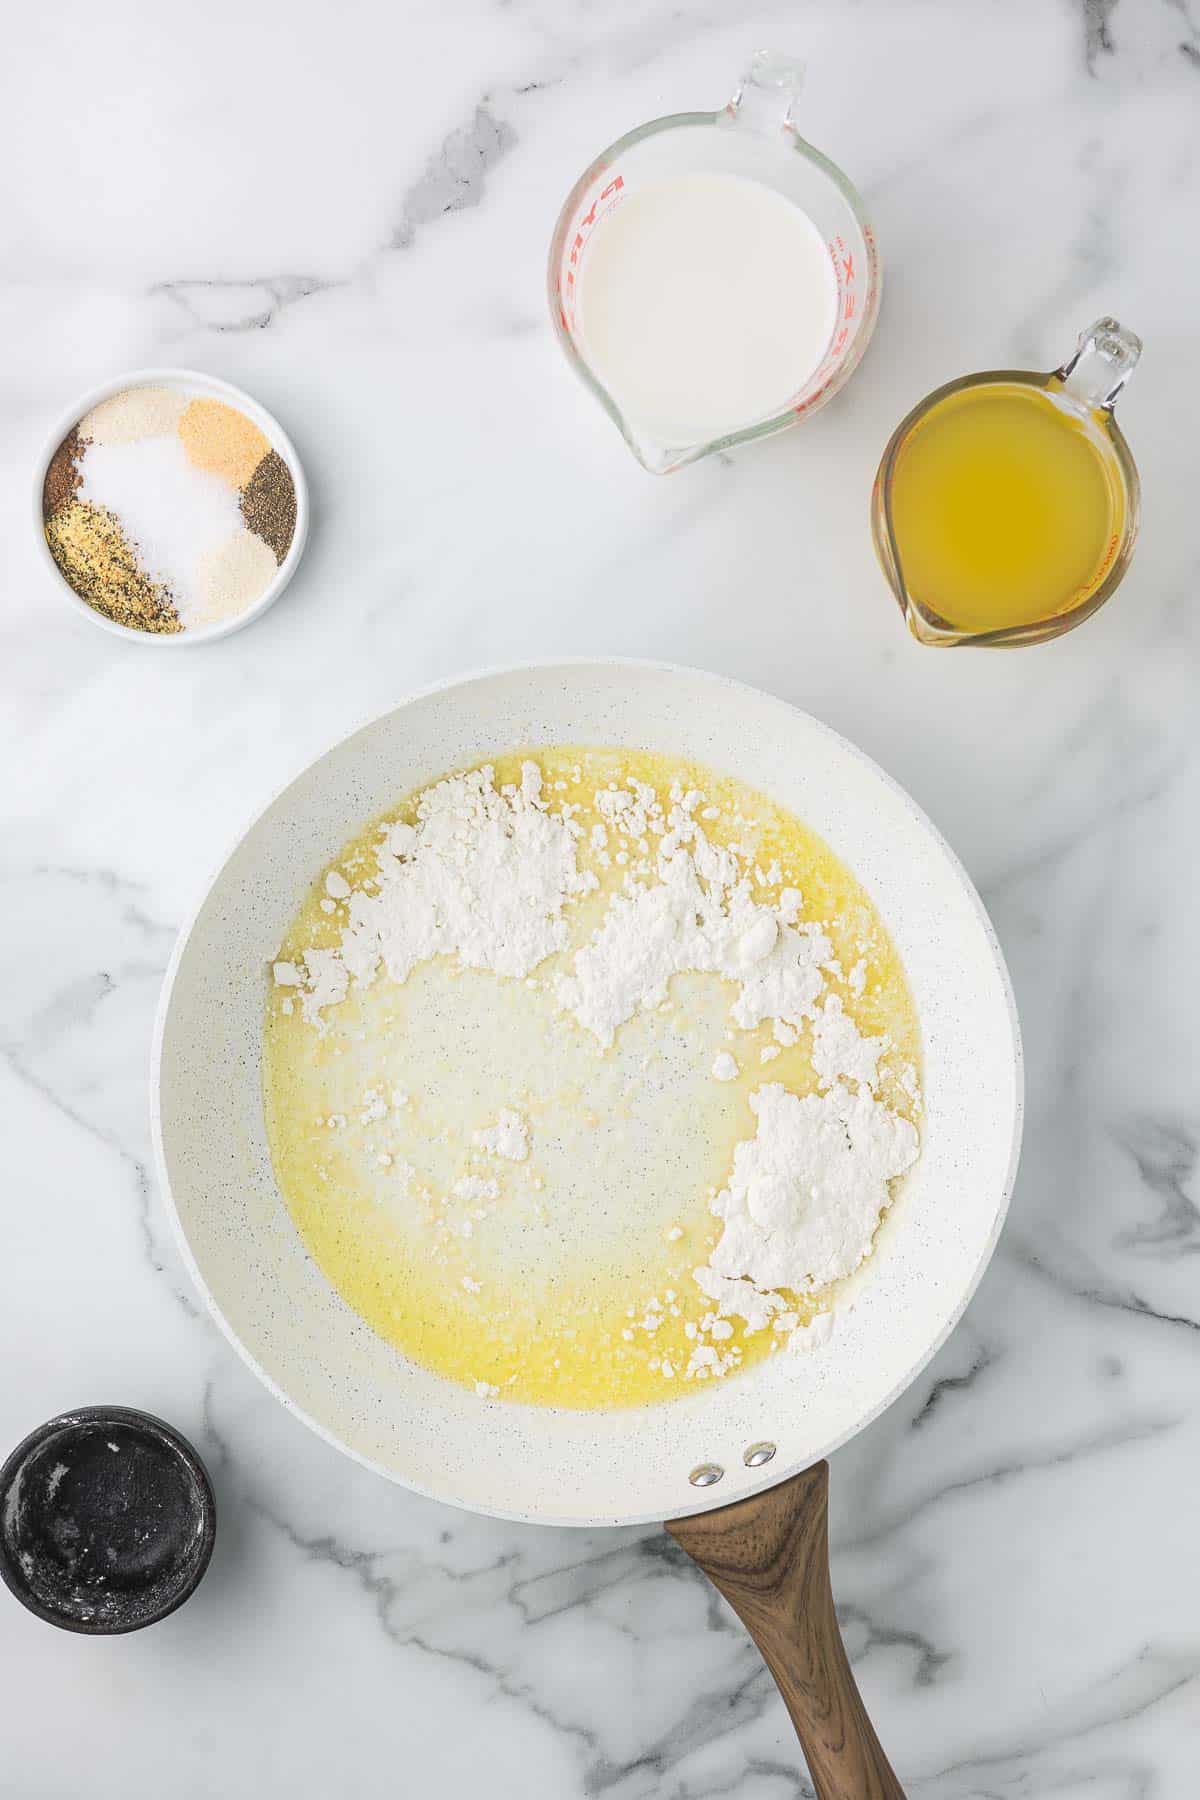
x: 769, y: 1556
x: 1105, y: 357
x: 765, y: 98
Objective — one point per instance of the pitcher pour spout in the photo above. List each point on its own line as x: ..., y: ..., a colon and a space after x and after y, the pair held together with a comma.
x: 657, y: 458
x: 1105, y: 357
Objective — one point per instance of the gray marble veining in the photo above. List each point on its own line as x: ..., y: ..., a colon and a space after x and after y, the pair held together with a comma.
x: 347, y: 210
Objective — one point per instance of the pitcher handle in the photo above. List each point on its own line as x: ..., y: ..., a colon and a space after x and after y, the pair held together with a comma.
x: 765, y: 98
x: 1105, y: 357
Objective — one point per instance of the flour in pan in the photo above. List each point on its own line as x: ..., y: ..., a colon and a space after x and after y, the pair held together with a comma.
x: 805, y: 1196
x: 508, y: 1137
x: 696, y: 914
x: 495, y: 877
x: 484, y: 875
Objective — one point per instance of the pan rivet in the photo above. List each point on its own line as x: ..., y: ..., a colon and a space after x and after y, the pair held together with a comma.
x: 705, y: 1474
x: 757, y: 1455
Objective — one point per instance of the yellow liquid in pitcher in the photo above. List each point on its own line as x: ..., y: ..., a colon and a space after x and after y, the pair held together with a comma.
x: 1007, y: 508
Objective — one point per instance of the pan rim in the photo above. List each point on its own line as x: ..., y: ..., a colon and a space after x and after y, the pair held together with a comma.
x: 611, y: 664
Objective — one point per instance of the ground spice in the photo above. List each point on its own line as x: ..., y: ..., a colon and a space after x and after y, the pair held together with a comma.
x: 96, y: 558
x: 134, y: 413
x: 62, y: 477
x: 221, y: 439
x: 233, y: 576
x: 269, y: 504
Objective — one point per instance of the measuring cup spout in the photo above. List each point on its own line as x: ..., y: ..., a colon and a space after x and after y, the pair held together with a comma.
x: 1105, y: 357
x: 660, y: 459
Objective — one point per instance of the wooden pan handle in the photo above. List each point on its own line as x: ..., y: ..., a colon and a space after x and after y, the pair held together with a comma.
x: 769, y: 1556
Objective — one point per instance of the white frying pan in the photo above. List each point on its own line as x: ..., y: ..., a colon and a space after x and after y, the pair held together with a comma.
x: 745, y: 1447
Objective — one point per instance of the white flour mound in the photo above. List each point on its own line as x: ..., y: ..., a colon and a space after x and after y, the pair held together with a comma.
x: 806, y: 1194
x: 699, y: 917
x: 484, y: 875
x: 508, y: 1137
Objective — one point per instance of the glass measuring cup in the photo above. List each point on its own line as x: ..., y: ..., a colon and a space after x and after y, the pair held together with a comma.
x: 754, y: 136
x: 1087, y: 386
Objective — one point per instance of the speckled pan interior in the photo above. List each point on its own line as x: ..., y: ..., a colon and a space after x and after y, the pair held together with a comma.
x: 557, y: 1466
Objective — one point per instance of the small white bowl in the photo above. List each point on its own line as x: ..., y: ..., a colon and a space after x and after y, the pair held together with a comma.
x: 195, y: 385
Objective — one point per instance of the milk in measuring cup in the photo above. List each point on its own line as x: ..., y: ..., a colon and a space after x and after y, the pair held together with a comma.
x: 705, y: 303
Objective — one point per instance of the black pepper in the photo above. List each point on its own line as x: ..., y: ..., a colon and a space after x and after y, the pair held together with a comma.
x: 268, y: 504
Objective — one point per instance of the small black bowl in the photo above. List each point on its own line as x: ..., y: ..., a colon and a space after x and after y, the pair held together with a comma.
x: 107, y: 1520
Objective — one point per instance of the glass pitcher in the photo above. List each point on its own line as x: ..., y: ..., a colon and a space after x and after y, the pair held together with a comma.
x: 753, y: 136
x: 1087, y: 386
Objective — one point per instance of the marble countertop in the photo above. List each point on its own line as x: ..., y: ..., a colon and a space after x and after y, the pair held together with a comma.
x: 346, y: 210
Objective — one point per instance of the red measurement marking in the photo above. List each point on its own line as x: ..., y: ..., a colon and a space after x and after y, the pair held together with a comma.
x: 1110, y: 556
x: 810, y: 400
x: 583, y: 231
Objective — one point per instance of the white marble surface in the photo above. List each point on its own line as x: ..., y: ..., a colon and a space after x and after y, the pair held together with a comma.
x: 346, y: 209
